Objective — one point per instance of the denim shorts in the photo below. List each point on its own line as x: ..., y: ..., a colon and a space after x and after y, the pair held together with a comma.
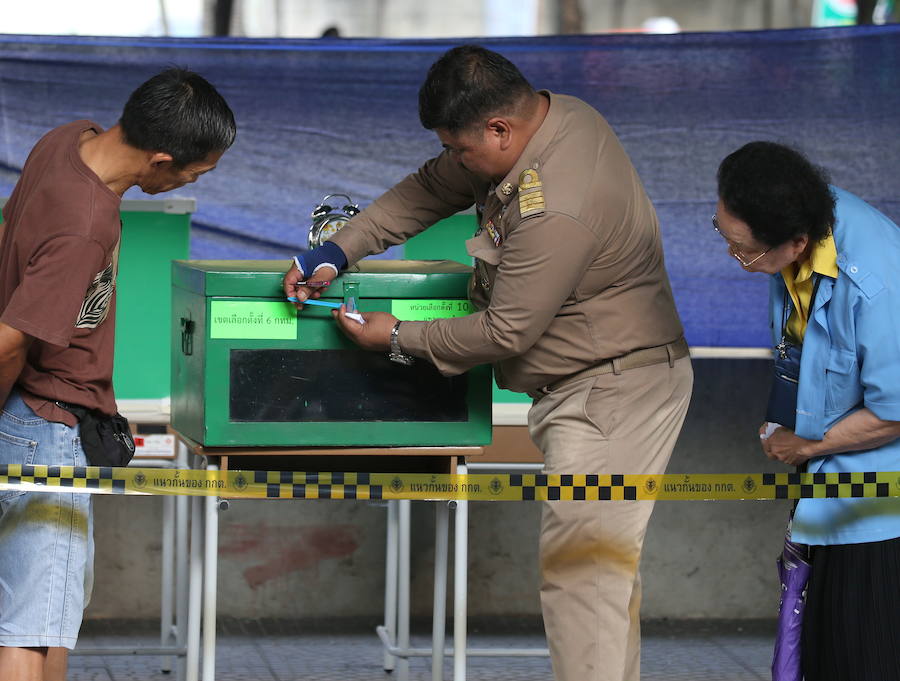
x: 46, y: 539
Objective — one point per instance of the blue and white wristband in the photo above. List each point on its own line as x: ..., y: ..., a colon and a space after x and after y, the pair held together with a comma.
x: 316, y: 269
x: 326, y: 255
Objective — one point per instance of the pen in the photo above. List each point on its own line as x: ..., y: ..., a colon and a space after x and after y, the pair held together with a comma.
x: 319, y: 284
x: 323, y: 303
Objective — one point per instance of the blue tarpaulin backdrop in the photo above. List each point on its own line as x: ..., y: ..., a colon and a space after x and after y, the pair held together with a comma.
x: 316, y: 117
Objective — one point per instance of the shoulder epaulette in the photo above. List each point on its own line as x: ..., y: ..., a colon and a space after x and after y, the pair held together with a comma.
x: 531, y: 193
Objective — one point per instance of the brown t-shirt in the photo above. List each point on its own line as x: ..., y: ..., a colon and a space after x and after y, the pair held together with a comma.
x: 58, y: 261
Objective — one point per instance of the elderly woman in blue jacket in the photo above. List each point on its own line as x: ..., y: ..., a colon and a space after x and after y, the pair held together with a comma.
x: 834, y: 308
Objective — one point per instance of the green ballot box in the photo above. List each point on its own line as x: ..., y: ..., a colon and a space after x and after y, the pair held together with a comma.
x: 249, y: 370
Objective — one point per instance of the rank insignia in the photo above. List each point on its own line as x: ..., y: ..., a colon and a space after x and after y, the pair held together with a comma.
x: 506, y: 189
x: 496, y: 237
x: 531, y: 193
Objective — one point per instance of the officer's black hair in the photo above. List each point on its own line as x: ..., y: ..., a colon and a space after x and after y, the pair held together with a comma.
x: 777, y: 192
x: 179, y: 113
x: 467, y: 85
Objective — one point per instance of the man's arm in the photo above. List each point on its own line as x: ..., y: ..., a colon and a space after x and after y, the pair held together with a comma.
x: 439, y: 189
x: 13, y: 349
x: 543, y: 261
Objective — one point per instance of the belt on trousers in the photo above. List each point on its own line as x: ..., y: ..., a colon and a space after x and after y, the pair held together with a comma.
x: 632, y: 360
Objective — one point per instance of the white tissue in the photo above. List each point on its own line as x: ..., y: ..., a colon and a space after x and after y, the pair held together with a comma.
x: 770, y: 428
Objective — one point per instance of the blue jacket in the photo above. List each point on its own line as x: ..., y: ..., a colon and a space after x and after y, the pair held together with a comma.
x: 850, y: 359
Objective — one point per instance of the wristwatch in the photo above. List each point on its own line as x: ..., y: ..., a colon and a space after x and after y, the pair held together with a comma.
x: 396, y: 354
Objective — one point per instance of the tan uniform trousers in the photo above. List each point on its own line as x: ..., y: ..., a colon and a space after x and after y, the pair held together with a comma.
x: 590, y: 551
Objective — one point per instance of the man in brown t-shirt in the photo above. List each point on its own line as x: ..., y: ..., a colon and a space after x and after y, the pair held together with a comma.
x: 574, y: 308
x: 58, y: 265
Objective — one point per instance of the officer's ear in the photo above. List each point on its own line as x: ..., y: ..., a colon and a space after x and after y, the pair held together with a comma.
x: 500, y: 130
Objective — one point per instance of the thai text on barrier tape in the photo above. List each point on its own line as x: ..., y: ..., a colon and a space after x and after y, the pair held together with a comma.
x: 472, y: 487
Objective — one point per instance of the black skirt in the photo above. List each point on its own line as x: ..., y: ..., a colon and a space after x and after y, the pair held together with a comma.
x: 851, y: 626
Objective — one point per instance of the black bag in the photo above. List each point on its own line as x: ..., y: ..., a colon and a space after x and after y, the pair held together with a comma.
x: 782, y: 406
x: 106, y: 440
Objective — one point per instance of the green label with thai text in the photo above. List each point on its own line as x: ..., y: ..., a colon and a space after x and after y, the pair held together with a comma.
x: 425, y: 310
x: 248, y: 319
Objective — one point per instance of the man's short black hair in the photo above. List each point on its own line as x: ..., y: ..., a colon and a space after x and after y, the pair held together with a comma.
x: 777, y: 192
x: 179, y: 113
x: 467, y: 85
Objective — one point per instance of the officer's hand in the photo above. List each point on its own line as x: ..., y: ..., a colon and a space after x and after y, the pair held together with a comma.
x: 375, y: 334
x: 304, y: 292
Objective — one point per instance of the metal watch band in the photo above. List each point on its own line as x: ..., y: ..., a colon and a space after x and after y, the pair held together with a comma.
x: 396, y: 354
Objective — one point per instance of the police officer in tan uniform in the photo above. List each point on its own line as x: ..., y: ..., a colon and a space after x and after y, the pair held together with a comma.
x: 574, y: 308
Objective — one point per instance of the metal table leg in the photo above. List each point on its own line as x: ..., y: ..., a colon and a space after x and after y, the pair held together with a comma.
x: 182, y: 563
x: 390, y: 583
x: 167, y: 597
x: 439, y: 608
x: 403, y: 589
x: 460, y: 582
x: 210, y: 568
x: 182, y: 521
x: 195, y: 590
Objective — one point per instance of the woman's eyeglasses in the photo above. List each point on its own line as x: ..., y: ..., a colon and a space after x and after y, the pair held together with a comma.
x: 735, y: 253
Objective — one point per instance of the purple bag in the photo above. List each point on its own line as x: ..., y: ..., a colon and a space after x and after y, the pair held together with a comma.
x: 794, y: 569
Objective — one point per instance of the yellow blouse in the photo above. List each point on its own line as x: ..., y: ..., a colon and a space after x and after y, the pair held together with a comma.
x: 799, y: 281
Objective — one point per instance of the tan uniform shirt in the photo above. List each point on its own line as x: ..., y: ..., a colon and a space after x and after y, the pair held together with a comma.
x: 578, y: 279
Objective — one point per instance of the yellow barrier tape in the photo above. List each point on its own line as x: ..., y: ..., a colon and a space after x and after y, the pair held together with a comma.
x: 474, y: 487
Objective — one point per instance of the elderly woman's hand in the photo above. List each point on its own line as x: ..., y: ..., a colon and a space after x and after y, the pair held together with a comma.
x: 783, y: 445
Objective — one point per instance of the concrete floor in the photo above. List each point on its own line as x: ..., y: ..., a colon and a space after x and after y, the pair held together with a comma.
x: 259, y: 651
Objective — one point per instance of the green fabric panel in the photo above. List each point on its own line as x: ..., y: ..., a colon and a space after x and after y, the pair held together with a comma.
x: 150, y: 241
